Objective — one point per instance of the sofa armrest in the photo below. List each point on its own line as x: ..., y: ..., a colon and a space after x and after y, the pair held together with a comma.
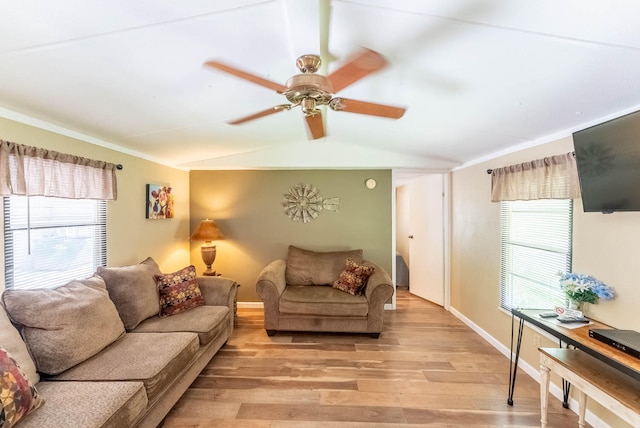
x: 271, y: 280
x: 218, y: 290
x: 379, y: 287
x: 270, y: 285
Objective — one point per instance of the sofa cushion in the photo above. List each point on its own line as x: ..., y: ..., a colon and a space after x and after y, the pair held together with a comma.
x: 94, y: 281
x: 155, y: 359
x: 317, y: 300
x: 206, y: 321
x: 178, y: 291
x: 353, y: 278
x: 18, y: 396
x: 64, y: 326
x: 88, y: 404
x: 11, y: 340
x: 306, y: 267
x: 133, y: 290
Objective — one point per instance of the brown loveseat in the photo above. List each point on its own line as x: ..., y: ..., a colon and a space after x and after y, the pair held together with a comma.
x: 298, y: 294
x: 100, y: 355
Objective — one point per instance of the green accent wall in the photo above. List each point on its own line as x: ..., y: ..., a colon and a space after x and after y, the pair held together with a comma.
x: 247, y: 205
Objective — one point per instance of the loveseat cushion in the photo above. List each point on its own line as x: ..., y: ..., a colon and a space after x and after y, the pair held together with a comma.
x: 306, y: 267
x: 155, y: 359
x: 318, y: 300
x: 64, y: 326
x: 88, y: 405
x: 11, y: 340
x: 133, y: 290
x: 206, y: 321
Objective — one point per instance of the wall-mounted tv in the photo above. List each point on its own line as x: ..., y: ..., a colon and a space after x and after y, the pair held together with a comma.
x: 608, y: 160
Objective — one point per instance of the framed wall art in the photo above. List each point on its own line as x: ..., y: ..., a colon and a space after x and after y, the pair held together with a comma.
x: 159, y: 202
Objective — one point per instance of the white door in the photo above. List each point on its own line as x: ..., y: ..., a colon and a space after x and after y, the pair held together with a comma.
x: 426, y: 244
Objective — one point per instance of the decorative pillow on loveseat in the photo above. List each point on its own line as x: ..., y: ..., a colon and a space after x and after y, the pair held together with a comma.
x: 18, y: 396
x: 133, y: 290
x: 64, y: 326
x: 353, y: 278
x: 306, y: 267
x: 179, y: 291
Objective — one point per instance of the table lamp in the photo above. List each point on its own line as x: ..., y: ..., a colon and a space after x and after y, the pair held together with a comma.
x: 207, y: 231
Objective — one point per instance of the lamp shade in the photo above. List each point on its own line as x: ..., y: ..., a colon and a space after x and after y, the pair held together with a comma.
x: 207, y: 230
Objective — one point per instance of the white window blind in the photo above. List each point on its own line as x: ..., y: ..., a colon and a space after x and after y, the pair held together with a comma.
x: 51, y: 241
x: 536, y: 245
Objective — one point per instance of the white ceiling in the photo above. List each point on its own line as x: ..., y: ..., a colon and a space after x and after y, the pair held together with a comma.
x: 477, y: 77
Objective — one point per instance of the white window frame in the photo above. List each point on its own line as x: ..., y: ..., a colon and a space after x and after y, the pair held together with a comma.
x: 51, y: 241
x: 536, y: 245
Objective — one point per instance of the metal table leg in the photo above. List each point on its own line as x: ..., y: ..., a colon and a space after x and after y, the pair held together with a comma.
x: 513, y: 364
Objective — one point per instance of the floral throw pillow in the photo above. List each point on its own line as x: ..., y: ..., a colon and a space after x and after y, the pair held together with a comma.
x: 17, y: 395
x: 179, y: 291
x: 354, y: 278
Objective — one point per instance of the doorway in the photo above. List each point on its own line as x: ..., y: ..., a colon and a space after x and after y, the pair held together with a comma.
x: 422, y: 225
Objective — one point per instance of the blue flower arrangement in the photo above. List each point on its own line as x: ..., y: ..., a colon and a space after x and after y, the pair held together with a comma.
x: 581, y: 288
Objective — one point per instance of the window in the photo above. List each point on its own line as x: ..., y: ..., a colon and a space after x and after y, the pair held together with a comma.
x: 51, y: 241
x: 536, y: 245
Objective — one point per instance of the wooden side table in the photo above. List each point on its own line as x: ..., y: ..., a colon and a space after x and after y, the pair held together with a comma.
x: 235, y: 308
x: 214, y: 273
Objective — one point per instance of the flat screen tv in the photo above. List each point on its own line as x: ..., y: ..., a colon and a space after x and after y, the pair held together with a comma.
x: 608, y: 160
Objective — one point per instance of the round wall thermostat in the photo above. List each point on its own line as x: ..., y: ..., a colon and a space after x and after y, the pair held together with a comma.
x: 370, y: 183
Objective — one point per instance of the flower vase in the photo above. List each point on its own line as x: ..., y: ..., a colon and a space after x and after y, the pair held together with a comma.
x: 576, y: 305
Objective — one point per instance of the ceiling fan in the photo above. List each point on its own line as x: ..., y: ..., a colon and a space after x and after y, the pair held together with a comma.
x: 310, y: 90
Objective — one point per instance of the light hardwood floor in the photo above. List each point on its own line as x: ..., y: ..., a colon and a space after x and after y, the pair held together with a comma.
x: 426, y: 369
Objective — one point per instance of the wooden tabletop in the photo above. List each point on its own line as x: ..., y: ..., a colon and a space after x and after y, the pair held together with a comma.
x: 579, y: 337
x: 624, y: 389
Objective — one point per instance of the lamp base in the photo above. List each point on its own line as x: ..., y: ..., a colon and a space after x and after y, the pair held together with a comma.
x: 208, y: 252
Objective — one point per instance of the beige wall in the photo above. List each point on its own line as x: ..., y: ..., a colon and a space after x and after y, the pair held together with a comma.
x: 247, y: 205
x: 603, y: 245
x: 130, y: 236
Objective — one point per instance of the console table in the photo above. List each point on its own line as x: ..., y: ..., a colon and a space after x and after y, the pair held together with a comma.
x: 576, y: 337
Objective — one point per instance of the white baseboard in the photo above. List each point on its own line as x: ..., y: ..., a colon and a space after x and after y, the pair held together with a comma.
x: 555, y: 390
x: 251, y: 305
x: 260, y: 305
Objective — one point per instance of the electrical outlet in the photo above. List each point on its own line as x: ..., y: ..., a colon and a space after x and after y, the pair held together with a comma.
x: 536, y: 340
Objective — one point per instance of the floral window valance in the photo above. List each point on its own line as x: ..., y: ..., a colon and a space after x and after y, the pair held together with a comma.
x: 554, y: 177
x: 32, y: 171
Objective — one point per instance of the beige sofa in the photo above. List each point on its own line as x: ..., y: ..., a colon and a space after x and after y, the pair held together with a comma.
x: 100, y: 355
x: 299, y: 294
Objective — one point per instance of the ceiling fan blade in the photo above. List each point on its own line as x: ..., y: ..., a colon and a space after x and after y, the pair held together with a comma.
x: 263, y: 113
x: 363, y: 107
x: 359, y: 66
x: 315, y: 125
x: 247, y: 76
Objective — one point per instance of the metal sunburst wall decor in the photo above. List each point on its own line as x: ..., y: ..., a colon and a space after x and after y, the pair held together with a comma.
x: 304, y: 203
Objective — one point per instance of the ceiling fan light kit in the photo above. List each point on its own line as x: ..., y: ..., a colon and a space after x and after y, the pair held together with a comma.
x: 310, y: 90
